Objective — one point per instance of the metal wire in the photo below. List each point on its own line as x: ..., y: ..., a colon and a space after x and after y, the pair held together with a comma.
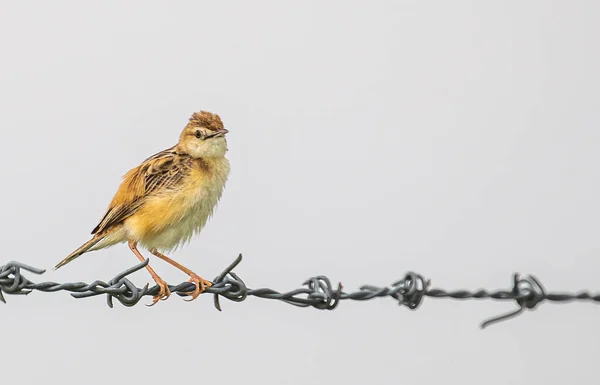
x: 317, y: 292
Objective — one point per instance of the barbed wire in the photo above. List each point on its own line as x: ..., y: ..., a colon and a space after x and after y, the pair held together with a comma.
x: 317, y: 292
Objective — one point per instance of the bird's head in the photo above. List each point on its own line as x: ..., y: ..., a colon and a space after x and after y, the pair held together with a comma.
x: 204, y: 136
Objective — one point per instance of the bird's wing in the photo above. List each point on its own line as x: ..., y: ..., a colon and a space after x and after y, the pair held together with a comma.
x: 162, y: 171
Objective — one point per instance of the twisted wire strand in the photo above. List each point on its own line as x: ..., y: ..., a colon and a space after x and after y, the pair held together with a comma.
x: 317, y: 292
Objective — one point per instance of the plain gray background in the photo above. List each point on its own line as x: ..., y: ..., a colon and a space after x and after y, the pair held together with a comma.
x: 457, y: 139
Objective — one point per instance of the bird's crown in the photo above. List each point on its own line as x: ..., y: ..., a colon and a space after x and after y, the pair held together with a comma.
x: 206, y: 119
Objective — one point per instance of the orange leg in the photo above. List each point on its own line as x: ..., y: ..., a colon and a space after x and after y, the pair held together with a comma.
x: 164, y: 291
x: 201, y: 283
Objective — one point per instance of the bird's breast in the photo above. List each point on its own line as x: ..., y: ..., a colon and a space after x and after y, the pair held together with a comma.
x: 171, y: 219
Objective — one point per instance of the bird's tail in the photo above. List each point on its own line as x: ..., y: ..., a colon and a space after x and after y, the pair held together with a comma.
x: 82, y: 249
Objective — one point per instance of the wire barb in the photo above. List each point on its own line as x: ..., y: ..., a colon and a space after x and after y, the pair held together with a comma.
x: 528, y: 293
x: 317, y: 292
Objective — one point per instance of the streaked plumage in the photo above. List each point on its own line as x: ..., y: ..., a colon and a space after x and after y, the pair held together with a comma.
x: 168, y: 198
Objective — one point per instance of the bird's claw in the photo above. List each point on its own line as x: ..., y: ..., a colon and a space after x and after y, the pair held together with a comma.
x: 163, y: 293
x: 201, y: 285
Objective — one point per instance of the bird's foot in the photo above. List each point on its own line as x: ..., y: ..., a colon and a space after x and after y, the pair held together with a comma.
x: 163, y: 292
x: 201, y: 285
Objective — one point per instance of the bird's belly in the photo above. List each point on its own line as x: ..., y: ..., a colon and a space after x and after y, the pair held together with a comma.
x: 168, y: 221
x: 179, y: 232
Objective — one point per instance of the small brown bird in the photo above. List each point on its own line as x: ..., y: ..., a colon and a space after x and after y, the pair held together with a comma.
x: 167, y: 199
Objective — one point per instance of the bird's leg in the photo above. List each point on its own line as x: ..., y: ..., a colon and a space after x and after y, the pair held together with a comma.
x: 201, y: 283
x: 164, y: 291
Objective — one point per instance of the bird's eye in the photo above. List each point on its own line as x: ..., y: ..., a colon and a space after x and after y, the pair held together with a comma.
x: 198, y: 134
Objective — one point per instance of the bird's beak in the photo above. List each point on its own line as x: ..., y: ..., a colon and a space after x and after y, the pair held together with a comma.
x: 218, y: 133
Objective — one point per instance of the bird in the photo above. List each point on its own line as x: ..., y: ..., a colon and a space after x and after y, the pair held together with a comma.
x: 167, y: 199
